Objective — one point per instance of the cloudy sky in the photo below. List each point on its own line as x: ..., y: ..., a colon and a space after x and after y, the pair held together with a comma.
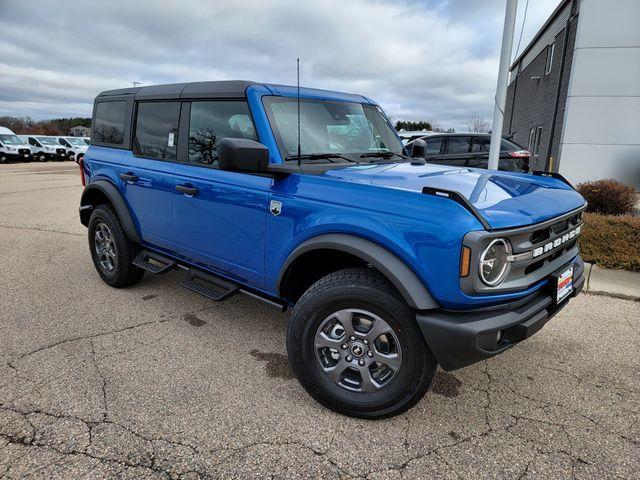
x: 420, y: 59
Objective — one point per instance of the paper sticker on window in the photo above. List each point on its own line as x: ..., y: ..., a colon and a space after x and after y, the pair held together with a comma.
x: 171, y: 137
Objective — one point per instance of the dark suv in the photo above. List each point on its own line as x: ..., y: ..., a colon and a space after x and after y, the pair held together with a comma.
x: 304, y: 199
x: 472, y: 150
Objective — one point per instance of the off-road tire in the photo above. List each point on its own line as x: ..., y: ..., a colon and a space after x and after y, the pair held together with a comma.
x: 125, y: 273
x: 366, y: 289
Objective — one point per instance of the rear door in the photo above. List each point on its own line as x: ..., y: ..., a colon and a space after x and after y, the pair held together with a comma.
x: 457, y: 151
x: 146, y: 174
x: 219, y: 216
x: 479, y: 157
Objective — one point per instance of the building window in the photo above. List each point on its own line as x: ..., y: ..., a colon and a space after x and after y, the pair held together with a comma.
x: 532, y: 138
x: 535, y: 138
x: 547, y: 66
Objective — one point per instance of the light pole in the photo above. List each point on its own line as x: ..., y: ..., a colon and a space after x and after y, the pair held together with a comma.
x: 503, y: 79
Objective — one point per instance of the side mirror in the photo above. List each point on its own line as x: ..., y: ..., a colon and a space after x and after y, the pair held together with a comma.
x: 243, y: 155
x: 419, y: 149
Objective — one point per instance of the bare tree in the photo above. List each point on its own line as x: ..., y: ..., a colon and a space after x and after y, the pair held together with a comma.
x: 436, y: 127
x: 477, y: 124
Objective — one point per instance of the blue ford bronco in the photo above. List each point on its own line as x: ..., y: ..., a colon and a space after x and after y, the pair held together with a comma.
x: 306, y: 198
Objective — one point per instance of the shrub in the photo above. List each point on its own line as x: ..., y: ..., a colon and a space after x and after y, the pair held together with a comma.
x: 608, y: 197
x: 611, y: 241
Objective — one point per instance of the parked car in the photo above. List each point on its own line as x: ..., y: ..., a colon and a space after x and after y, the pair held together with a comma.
x: 75, y: 146
x: 410, y: 135
x: 12, y: 148
x: 472, y: 150
x: 391, y: 265
x: 44, y: 148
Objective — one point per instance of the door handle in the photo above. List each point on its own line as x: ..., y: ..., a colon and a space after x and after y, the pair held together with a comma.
x: 187, y: 190
x: 128, y: 177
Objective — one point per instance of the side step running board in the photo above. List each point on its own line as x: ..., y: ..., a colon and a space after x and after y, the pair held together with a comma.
x: 214, y: 288
x: 153, y: 263
x: 209, y: 285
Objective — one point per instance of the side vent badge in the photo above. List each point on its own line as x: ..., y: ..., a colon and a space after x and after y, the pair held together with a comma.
x: 275, y: 208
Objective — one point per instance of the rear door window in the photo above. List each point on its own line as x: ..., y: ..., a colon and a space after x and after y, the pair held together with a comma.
x: 458, y: 145
x: 210, y: 122
x: 109, y: 123
x: 157, y: 130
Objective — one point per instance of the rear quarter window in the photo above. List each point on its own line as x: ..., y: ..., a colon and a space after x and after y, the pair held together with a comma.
x: 108, y: 125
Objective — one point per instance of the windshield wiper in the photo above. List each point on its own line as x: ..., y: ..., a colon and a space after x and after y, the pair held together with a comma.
x: 319, y: 156
x: 383, y: 155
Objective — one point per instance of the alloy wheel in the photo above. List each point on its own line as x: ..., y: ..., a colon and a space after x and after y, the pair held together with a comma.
x: 358, y: 350
x: 105, y: 247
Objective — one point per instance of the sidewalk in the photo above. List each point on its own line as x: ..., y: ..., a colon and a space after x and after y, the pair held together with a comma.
x: 614, y: 283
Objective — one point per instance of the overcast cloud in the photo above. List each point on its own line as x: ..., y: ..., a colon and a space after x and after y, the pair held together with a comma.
x: 421, y: 60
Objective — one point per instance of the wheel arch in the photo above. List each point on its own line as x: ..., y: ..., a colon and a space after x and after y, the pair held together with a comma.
x: 357, y: 251
x: 103, y: 191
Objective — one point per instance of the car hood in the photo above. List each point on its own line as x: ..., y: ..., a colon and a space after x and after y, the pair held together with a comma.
x: 503, y: 199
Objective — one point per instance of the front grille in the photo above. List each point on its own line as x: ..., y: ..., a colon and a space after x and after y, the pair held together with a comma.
x: 24, y: 151
x: 60, y: 151
x: 556, y: 229
x: 555, y: 254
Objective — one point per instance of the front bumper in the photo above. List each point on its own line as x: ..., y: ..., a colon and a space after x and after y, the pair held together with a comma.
x: 458, y: 339
x: 15, y: 156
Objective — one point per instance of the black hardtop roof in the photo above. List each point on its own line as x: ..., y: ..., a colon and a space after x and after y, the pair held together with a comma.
x: 220, y: 89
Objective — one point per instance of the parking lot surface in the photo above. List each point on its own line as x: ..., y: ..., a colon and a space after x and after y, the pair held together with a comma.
x: 156, y: 382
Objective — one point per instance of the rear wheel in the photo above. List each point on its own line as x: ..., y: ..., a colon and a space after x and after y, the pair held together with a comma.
x: 356, y: 348
x: 111, y: 250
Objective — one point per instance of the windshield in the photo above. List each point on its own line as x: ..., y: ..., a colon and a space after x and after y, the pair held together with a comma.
x: 10, y: 140
x: 48, y: 141
x: 330, y: 127
x: 78, y: 142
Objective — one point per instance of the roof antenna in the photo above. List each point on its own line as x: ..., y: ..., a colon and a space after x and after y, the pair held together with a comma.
x: 299, y: 149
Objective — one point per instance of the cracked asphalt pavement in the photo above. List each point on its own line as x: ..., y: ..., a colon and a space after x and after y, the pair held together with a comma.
x: 156, y: 382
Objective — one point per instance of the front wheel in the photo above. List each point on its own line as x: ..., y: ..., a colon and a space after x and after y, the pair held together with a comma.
x: 356, y: 348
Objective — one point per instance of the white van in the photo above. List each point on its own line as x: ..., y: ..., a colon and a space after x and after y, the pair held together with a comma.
x: 75, y: 146
x: 12, y: 148
x: 44, y: 148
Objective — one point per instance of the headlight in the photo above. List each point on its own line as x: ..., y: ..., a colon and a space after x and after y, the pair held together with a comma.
x: 49, y: 148
x: 12, y: 149
x: 494, y: 264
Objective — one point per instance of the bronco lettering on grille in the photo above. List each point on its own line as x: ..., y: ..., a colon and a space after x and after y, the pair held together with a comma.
x: 555, y: 243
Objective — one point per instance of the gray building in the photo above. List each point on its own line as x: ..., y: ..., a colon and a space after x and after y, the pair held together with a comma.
x: 574, y: 92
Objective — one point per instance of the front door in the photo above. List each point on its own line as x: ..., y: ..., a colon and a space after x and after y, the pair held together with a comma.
x: 219, y: 216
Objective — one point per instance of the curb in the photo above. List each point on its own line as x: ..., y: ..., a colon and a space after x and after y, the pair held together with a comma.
x: 611, y: 282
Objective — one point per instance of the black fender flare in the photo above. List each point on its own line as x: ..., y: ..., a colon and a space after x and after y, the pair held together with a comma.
x: 405, y: 280
x: 111, y: 192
